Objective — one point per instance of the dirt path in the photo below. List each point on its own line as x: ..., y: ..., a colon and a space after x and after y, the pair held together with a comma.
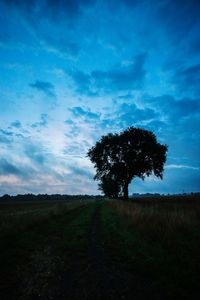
x: 99, y: 278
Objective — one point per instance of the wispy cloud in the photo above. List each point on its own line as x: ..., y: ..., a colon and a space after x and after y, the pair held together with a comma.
x: 46, y: 87
x: 174, y: 166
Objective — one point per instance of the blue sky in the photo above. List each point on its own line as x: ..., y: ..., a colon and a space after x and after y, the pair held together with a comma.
x: 74, y: 70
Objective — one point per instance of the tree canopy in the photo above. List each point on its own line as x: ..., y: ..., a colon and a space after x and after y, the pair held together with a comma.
x: 119, y: 158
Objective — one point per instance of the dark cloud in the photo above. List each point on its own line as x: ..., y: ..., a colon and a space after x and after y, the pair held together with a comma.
x: 43, y: 86
x: 87, y: 114
x: 7, y: 136
x: 80, y: 172
x: 16, y: 124
x: 123, y: 77
x: 43, y: 121
x: 10, y: 168
x: 188, y: 79
x: 119, y: 78
x: 130, y: 115
x: 178, y: 16
x: 52, y: 9
x: 175, y: 109
x: 82, y: 81
x: 6, y: 132
x: 6, y: 168
x: 36, y: 14
x: 124, y: 115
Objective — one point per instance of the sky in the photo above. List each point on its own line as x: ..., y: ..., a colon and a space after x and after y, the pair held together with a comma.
x: 74, y: 70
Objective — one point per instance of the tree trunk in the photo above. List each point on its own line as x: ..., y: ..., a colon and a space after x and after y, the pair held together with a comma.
x: 125, y: 190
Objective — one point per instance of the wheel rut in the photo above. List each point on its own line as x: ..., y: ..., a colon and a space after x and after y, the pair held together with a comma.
x: 100, y: 278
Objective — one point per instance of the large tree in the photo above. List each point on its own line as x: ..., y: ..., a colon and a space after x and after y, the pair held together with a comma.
x: 121, y: 157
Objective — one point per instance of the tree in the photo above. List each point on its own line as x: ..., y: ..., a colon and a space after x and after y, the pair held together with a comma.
x: 110, y: 186
x: 121, y: 157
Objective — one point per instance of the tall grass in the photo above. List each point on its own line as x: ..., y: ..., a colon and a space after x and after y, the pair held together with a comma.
x: 160, y: 219
x: 161, y: 239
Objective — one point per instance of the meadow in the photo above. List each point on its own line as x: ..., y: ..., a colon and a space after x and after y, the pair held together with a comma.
x: 100, y: 249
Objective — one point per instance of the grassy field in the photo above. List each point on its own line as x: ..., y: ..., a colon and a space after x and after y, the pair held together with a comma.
x: 141, y: 249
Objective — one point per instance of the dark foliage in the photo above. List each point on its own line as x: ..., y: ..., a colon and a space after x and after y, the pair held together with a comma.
x: 109, y: 186
x: 121, y: 157
x: 45, y: 197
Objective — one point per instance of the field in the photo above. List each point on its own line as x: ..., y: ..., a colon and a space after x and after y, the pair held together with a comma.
x: 102, y: 249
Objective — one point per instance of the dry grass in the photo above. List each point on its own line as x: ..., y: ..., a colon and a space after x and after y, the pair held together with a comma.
x: 159, y: 219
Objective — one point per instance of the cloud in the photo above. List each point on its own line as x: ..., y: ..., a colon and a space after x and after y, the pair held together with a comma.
x: 174, y: 109
x: 4, y: 140
x: 9, y: 136
x: 123, y: 77
x: 130, y: 114
x: 16, y: 124
x: 80, y: 171
x: 118, y: 78
x: 15, y: 170
x: 81, y: 80
x: 175, y: 166
x: 6, y: 168
x: 46, y: 87
x: 40, y: 24
x: 6, y: 136
x: 35, y: 152
x: 86, y: 113
x: 122, y: 116
x: 6, y: 132
x: 188, y: 79
x: 43, y: 121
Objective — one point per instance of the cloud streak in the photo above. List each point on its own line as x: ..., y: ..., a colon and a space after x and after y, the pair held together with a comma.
x: 46, y: 87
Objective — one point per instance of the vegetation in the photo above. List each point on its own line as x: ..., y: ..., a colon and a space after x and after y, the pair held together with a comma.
x: 38, y: 244
x: 146, y: 248
x: 118, y: 158
x: 158, y: 239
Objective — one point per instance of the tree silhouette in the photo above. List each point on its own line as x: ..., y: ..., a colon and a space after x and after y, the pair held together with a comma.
x: 121, y: 157
x: 110, y: 186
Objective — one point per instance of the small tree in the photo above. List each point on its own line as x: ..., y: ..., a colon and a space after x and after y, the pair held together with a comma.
x: 132, y: 153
